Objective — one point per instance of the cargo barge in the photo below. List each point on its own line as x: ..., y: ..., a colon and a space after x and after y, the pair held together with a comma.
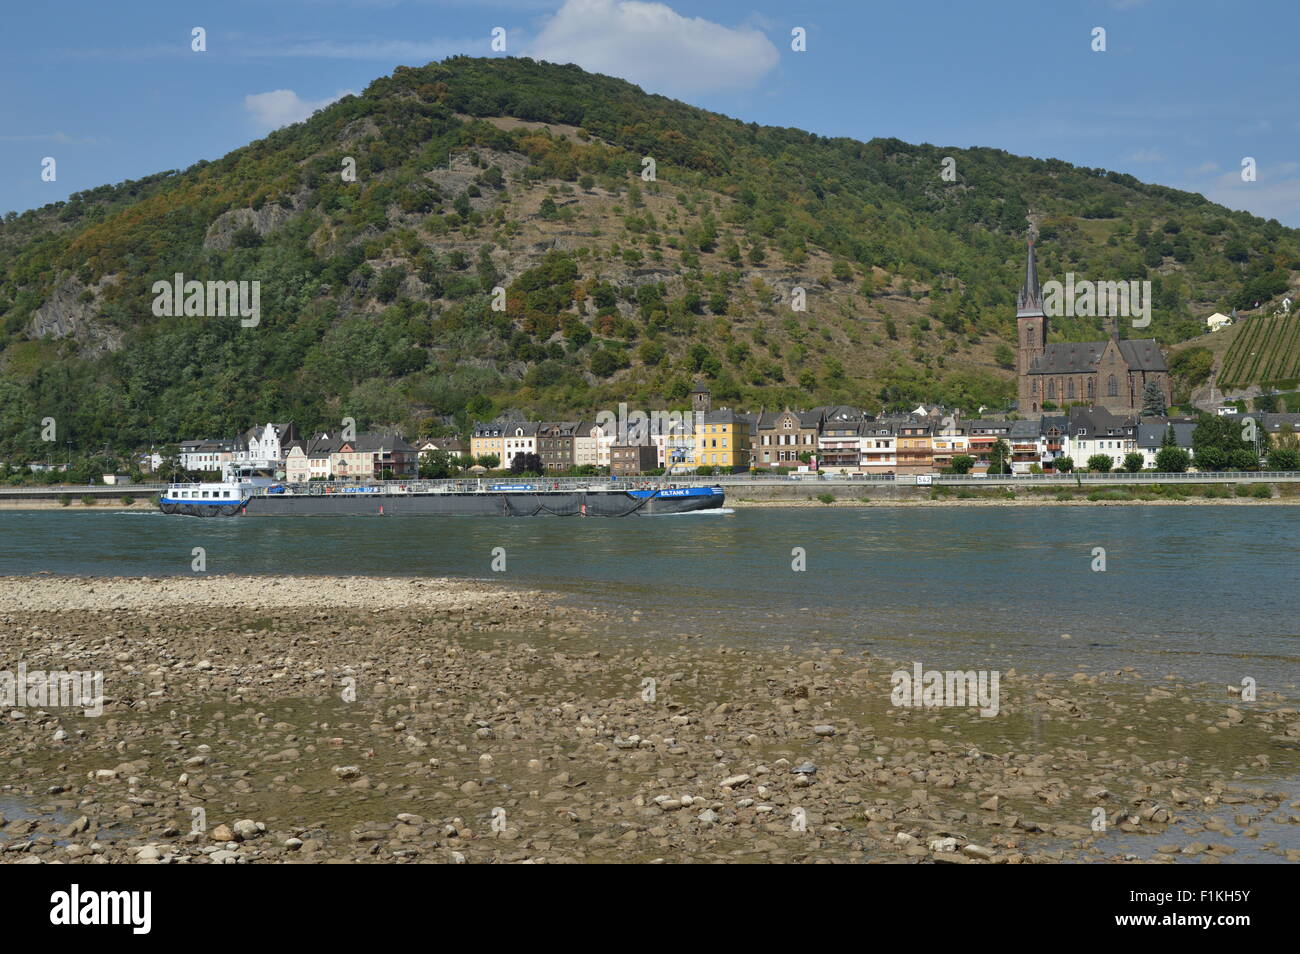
x: 470, y: 498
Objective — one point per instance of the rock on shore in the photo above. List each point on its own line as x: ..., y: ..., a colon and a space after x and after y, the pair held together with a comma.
x: 307, y: 720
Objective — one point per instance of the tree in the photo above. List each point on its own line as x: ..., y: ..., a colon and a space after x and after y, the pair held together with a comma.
x: 1210, y: 457
x: 1000, y: 458
x: 171, y: 462
x: 1283, y: 458
x: 1214, y: 440
x: 1101, y: 463
x: 962, y: 463
x: 1133, y: 462
x: 1065, y: 464
x: 1172, y: 460
x: 525, y: 464
x: 1153, y: 400
x: 437, y: 465
x: 490, y: 461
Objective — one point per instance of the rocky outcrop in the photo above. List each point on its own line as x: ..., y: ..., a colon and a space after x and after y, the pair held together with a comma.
x: 70, y: 312
x: 264, y: 221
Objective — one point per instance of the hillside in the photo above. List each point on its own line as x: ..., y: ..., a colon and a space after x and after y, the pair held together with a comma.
x: 477, y: 173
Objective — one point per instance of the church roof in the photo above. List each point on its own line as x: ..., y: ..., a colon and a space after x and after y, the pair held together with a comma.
x: 1142, y: 354
x: 1081, y: 357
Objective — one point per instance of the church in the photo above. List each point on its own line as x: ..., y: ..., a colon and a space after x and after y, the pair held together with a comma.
x: 1112, y: 374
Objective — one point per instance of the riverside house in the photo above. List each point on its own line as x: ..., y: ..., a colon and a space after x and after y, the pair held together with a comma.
x: 839, y: 447
x: 555, y: 440
x: 879, y: 447
x: 1097, y: 431
x: 915, y: 450
x: 519, y: 437
x: 488, y: 439
x: 780, y: 437
x: 370, y: 456
x: 309, y: 459
x: 724, y: 439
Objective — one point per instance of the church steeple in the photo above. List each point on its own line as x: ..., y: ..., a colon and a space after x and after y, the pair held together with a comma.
x: 1031, y: 335
x: 1029, y: 301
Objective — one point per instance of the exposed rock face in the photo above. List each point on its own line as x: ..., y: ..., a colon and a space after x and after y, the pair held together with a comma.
x: 263, y: 221
x: 66, y: 315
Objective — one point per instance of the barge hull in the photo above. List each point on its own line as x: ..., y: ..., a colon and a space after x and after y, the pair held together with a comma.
x: 478, y: 504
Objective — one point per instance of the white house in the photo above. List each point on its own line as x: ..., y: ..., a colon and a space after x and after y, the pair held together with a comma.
x: 519, y: 437
x: 1217, y: 321
x: 877, y: 447
x: 269, y: 442
x: 1095, y: 431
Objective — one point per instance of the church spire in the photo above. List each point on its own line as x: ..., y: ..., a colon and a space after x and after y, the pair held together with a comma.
x: 1030, y: 299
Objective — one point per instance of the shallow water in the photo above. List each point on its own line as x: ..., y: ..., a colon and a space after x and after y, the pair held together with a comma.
x: 1200, y: 592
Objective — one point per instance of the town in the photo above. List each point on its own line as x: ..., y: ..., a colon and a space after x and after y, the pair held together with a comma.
x: 828, y: 440
x: 1100, y: 406
x: 1095, y: 405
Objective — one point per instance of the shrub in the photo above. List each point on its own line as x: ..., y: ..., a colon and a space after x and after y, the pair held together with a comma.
x: 1262, y: 491
x: 127, y: 501
x: 826, y: 498
x: 64, y: 500
x: 88, y: 500
x: 1111, y: 495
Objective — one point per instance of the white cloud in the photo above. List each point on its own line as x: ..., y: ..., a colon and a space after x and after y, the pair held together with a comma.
x: 652, y: 45
x: 1275, y: 195
x: 280, y: 107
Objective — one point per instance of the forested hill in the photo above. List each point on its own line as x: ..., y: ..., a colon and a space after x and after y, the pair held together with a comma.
x: 376, y: 294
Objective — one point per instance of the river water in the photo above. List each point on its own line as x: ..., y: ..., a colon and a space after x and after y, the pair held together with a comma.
x: 1201, y: 592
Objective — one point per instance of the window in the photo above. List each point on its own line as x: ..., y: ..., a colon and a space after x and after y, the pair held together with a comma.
x: 1092, y: 388
x: 1111, y: 389
x: 1051, y: 389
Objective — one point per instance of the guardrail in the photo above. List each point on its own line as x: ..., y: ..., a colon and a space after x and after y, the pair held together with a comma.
x: 551, y: 484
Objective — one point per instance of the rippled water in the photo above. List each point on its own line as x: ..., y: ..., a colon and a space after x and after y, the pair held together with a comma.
x: 1204, y: 592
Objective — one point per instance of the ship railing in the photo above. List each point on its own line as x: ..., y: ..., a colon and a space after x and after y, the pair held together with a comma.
x: 524, y: 485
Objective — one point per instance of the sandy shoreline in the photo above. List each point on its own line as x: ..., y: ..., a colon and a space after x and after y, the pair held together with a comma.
x: 355, y: 719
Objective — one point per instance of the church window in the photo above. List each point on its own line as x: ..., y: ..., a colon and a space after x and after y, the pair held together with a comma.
x: 1051, y: 389
x: 1092, y: 388
x: 1070, y: 387
x: 1111, y: 387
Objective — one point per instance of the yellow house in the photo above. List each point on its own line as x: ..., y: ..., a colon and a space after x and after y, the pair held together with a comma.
x: 488, y: 439
x: 723, y: 439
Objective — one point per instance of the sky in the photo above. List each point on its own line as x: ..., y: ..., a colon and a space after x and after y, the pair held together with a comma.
x: 1183, y: 92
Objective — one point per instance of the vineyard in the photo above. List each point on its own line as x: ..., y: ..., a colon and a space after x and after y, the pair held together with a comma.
x: 1266, y: 352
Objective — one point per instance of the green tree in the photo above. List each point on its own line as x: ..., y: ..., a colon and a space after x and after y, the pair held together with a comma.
x: 437, y: 465
x: 962, y: 463
x: 1153, y: 400
x: 1101, y: 463
x: 1000, y: 457
x: 1133, y: 462
x: 1172, y: 460
x: 1283, y: 458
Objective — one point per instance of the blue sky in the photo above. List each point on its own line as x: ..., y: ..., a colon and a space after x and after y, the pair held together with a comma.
x: 1184, y: 90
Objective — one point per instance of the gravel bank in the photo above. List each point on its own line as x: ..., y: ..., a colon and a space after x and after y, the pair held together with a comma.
x: 308, y: 720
